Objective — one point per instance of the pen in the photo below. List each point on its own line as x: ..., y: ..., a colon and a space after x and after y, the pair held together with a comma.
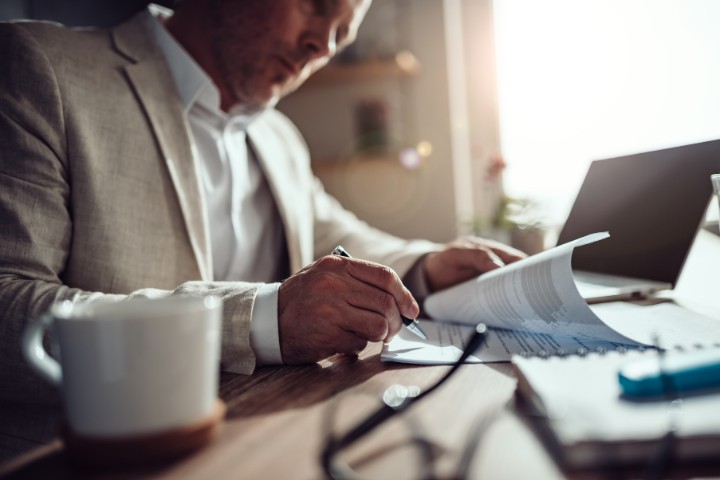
x: 411, y: 325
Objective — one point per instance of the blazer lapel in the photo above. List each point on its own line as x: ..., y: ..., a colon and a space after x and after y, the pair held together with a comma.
x: 156, y: 92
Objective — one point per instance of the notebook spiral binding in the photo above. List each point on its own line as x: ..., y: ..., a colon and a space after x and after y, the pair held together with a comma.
x: 619, y: 349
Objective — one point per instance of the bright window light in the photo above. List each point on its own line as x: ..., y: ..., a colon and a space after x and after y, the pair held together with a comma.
x: 586, y: 79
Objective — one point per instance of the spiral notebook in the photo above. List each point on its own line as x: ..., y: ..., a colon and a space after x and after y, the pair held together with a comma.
x: 575, y: 405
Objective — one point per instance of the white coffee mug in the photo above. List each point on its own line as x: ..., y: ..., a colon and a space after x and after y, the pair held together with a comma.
x: 134, y: 367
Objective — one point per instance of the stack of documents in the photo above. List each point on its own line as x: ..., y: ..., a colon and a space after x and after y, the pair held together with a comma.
x: 533, y: 308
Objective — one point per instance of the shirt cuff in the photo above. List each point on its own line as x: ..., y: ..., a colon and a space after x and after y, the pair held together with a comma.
x: 414, y: 280
x: 264, y: 335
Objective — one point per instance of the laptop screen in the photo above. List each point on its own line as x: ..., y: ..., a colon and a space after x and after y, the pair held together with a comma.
x: 652, y: 204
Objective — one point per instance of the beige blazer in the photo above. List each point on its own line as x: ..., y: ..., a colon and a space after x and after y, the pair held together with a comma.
x: 100, y: 196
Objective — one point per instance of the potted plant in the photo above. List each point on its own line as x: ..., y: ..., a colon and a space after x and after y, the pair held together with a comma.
x: 520, y: 217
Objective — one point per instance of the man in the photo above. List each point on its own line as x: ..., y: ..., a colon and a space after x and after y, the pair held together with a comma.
x: 147, y: 160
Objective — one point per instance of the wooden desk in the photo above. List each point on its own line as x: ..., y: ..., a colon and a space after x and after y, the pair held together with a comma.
x: 279, y: 417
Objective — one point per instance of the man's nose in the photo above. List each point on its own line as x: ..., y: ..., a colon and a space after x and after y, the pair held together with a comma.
x: 319, y: 42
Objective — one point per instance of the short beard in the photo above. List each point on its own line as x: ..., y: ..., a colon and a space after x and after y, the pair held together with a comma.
x: 233, y: 76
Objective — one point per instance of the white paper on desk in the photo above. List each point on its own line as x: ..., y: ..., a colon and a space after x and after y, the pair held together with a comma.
x: 670, y: 324
x: 534, y: 309
x: 666, y: 323
x: 446, y: 341
x: 536, y: 294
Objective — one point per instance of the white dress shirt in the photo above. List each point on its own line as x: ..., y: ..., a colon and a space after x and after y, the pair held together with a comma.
x: 246, y: 231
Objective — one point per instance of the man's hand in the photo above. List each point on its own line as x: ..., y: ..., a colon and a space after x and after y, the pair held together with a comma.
x: 337, y: 305
x: 464, y: 259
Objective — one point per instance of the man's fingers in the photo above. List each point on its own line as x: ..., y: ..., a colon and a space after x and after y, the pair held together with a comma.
x: 349, y: 343
x: 320, y: 339
x: 369, y: 325
x: 337, y: 305
x: 466, y: 258
x: 384, y: 278
x: 509, y: 255
x: 473, y: 259
x: 506, y: 253
x: 487, y: 260
x: 497, y: 254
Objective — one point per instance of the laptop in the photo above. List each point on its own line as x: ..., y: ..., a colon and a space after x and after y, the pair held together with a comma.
x: 652, y: 204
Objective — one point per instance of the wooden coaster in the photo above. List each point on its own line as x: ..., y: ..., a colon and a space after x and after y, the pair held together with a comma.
x: 144, y: 449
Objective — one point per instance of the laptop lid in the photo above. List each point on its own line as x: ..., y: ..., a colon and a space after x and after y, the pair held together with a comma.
x: 652, y: 204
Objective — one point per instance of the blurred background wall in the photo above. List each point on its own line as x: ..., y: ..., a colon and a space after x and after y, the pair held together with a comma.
x: 388, y: 123
x: 412, y: 127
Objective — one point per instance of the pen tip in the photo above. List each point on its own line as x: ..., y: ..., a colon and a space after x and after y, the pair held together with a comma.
x: 415, y: 328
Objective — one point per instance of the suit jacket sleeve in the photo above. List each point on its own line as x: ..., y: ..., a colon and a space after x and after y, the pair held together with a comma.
x: 43, y: 220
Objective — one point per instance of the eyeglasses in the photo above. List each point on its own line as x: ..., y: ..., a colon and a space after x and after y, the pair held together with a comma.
x: 395, y: 401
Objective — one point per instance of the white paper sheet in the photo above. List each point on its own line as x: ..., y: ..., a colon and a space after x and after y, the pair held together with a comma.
x: 446, y: 342
x: 667, y: 324
x: 534, y: 309
x: 536, y: 294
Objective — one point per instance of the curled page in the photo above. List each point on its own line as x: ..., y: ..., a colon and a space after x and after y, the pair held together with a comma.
x: 536, y: 294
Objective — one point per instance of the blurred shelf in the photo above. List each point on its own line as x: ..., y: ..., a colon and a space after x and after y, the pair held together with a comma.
x: 404, y: 64
x: 343, y: 162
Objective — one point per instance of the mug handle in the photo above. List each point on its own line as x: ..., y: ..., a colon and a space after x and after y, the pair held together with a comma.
x: 35, y: 353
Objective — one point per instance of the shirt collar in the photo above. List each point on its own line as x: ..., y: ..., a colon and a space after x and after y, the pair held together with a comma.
x: 193, y: 84
x: 195, y: 87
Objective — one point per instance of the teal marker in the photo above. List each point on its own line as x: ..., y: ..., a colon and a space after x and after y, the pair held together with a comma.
x: 670, y: 374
